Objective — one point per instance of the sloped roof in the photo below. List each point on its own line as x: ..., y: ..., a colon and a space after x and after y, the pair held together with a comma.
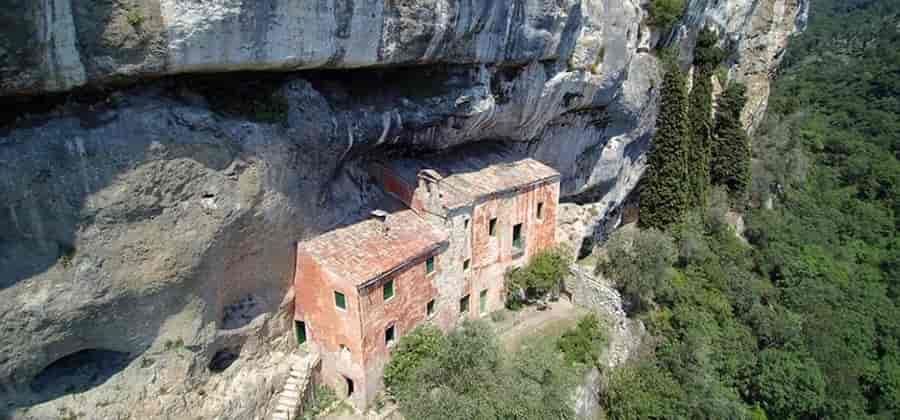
x: 366, y: 250
x: 475, y: 171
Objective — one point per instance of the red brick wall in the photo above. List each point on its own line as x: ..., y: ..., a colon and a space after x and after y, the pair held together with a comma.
x: 407, y: 309
x: 491, y: 256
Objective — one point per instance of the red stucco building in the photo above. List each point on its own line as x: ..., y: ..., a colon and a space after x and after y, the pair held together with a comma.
x: 468, y: 217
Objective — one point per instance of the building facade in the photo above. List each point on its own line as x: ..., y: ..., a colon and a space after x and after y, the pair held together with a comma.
x: 469, y: 217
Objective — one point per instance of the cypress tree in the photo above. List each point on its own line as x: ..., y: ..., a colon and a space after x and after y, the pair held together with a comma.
x: 730, y: 165
x: 707, y: 56
x: 664, y: 193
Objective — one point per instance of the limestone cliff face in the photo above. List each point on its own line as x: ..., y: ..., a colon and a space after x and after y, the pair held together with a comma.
x: 146, y: 230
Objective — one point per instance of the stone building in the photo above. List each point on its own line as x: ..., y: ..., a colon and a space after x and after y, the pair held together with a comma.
x: 468, y: 217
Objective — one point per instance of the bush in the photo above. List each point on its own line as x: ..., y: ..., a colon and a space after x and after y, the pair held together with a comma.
x: 584, y: 343
x: 664, y: 13
x: 537, y: 278
x: 412, y: 349
x: 467, y: 377
x: 639, y: 262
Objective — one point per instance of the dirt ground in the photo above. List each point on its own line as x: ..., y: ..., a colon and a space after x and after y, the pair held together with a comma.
x: 531, y: 322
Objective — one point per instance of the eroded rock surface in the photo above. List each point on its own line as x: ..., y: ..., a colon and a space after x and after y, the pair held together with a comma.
x: 157, y: 222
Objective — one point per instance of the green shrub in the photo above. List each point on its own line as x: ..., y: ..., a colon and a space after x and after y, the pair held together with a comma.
x: 639, y: 262
x: 468, y: 377
x: 540, y: 276
x: 584, y: 343
x: 664, y: 13
x: 413, y: 348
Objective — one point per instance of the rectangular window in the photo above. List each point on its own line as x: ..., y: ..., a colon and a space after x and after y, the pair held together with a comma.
x: 466, y: 224
x: 388, y: 290
x: 517, y: 241
x: 492, y: 227
x: 429, y: 309
x: 482, y: 301
x: 429, y: 265
x: 466, y: 264
x: 300, y: 327
x: 464, y: 304
x: 540, y: 211
x: 389, y: 335
x: 340, y: 300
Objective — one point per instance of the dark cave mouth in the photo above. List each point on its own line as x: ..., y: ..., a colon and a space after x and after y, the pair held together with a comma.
x: 79, y: 371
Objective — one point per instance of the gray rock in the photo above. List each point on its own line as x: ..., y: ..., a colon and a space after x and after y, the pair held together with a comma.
x: 157, y: 224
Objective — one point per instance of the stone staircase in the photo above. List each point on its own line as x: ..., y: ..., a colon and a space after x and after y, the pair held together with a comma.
x: 297, y: 389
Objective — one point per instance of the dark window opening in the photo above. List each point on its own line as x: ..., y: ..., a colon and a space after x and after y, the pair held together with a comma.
x: 340, y: 300
x: 517, y: 241
x: 389, y: 335
x: 429, y: 265
x: 466, y: 264
x: 388, y: 290
x: 540, y: 210
x: 300, y: 328
x: 429, y: 309
x: 466, y: 224
x: 492, y: 227
x: 464, y: 304
x: 349, y: 383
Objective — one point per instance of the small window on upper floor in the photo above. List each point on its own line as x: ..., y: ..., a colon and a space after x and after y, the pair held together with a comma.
x: 429, y: 308
x: 429, y: 265
x: 466, y: 224
x: 464, y: 305
x: 340, y: 301
x: 540, y: 211
x: 492, y: 227
x: 466, y: 264
x: 388, y: 290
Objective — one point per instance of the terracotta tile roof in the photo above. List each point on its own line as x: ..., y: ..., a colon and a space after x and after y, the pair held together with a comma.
x: 475, y: 171
x: 368, y: 249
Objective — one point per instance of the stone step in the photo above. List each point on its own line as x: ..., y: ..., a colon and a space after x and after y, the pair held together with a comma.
x: 290, y: 394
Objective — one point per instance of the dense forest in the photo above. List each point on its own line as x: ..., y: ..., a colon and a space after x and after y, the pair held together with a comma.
x: 797, y: 317
x: 802, y: 322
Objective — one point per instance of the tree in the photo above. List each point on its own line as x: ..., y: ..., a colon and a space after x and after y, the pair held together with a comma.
x: 730, y: 165
x: 664, y: 13
x: 540, y: 276
x: 639, y: 262
x: 664, y: 193
x: 707, y: 56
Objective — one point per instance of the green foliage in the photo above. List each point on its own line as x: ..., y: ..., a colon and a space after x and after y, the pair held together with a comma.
x: 640, y: 264
x: 324, y: 399
x: 467, y: 377
x: 134, y: 17
x: 804, y: 321
x: 642, y: 390
x: 664, y: 195
x: 707, y: 56
x: 583, y: 343
x: 730, y: 164
x: 789, y: 384
x: 412, y: 349
x: 664, y: 13
x: 540, y: 276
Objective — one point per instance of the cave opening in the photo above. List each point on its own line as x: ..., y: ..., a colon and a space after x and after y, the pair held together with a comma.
x: 79, y: 372
x: 223, y: 359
